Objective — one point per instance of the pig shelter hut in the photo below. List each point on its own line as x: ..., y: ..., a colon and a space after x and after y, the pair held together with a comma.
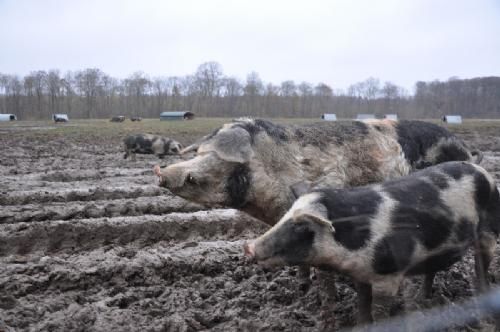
x: 329, y: 117
x: 362, y: 117
x: 452, y: 119
x: 182, y: 115
x: 391, y: 117
x: 60, y: 117
x: 8, y: 117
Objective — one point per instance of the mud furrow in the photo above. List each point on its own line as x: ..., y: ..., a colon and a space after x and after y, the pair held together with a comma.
x: 80, y: 194
x: 87, y: 234
x: 118, y: 181
x: 155, y: 205
x: 77, y: 175
x: 119, y: 285
x: 127, y: 265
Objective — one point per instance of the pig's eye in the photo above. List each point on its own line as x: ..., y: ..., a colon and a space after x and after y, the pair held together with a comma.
x: 190, y: 179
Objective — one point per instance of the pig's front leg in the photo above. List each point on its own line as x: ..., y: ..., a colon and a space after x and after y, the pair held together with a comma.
x: 365, y: 298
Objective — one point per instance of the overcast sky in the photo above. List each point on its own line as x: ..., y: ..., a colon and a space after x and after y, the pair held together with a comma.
x: 336, y: 42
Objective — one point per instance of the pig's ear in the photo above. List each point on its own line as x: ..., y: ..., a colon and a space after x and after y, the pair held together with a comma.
x: 300, y: 188
x: 230, y: 144
x: 317, y: 218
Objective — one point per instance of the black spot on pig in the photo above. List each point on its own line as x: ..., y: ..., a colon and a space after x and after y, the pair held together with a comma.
x: 457, y: 170
x: 464, y: 229
x: 438, y: 262
x: 393, y: 252
x: 491, y: 219
x: 346, y: 203
x: 417, y: 137
x: 129, y: 141
x: 439, y: 180
x: 349, y: 211
x: 483, y: 191
x: 275, y: 131
x: 143, y: 143
x: 431, y: 226
x: 166, y: 144
x: 425, y: 194
x: 237, y: 185
x: 352, y: 233
x: 450, y: 150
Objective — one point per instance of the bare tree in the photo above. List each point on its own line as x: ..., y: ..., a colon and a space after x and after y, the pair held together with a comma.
x: 160, y: 86
x: 252, y: 91
x: 40, y: 89
x: 305, y: 91
x: 324, y: 95
x: 208, y: 79
x: 54, y: 88
x: 92, y: 93
x: 88, y: 82
x: 233, y: 90
x: 137, y: 87
x: 371, y: 88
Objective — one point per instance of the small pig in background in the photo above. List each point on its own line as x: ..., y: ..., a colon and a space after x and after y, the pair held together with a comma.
x: 150, y: 144
x: 418, y: 224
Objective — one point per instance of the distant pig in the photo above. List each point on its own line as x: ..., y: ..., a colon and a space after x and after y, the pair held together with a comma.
x: 377, y: 234
x: 150, y: 144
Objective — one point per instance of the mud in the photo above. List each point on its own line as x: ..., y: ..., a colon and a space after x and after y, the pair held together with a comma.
x: 89, y: 242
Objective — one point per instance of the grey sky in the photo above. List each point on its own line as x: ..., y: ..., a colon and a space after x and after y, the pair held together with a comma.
x: 336, y: 42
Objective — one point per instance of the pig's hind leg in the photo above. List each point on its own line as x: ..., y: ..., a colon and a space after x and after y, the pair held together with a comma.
x: 425, y: 291
x: 484, y: 248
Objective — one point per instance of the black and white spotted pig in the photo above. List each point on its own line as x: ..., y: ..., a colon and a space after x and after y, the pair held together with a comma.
x: 417, y: 224
x: 150, y: 144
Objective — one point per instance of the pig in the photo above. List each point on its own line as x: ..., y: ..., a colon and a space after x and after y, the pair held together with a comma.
x: 150, y: 144
x: 378, y: 234
x: 119, y: 118
x: 257, y: 166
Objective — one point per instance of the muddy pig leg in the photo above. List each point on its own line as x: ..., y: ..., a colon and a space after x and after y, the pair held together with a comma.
x: 365, y: 298
x: 328, y: 291
x: 425, y: 291
x: 304, y: 274
x: 484, y: 248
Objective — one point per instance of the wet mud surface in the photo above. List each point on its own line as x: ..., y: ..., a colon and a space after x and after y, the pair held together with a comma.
x: 89, y: 242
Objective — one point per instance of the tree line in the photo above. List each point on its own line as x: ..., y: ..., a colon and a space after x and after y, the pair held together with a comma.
x: 91, y: 93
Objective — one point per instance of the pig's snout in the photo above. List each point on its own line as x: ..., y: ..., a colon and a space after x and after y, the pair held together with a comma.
x: 157, y: 172
x: 249, y: 249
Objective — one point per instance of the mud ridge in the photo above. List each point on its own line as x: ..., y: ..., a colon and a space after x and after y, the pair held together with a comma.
x: 90, y: 194
x: 123, y: 283
x: 80, y: 235
x: 155, y: 205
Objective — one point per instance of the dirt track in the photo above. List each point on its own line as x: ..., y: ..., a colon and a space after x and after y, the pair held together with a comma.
x: 89, y: 242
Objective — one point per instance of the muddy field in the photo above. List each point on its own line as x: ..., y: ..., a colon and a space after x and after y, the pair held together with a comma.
x: 89, y: 242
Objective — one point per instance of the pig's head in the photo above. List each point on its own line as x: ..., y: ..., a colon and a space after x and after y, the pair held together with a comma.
x: 219, y: 175
x: 174, y: 148
x: 300, y: 239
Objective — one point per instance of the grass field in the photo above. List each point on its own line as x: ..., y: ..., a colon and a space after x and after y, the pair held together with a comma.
x: 186, y: 131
